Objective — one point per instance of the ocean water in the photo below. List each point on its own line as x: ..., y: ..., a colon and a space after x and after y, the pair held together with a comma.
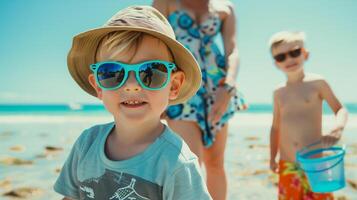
x: 74, y: 108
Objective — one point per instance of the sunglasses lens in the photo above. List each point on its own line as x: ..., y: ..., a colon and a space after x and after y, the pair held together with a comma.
x: 295, y: 53
x: 279, y: 57
x: 153, y: 75
x: 110, y: 75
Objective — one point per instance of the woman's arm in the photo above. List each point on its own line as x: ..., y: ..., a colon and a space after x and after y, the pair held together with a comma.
x: 162, y: 6
x: 230, y: 45
x: 232, y: 61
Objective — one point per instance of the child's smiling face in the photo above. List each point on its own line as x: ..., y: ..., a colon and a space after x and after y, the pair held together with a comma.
x: 294, y: 56
x: 131, y: 101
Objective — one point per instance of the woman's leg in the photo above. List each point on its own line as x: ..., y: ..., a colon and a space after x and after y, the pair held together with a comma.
x: 190, y: 133
x: 213, y: 159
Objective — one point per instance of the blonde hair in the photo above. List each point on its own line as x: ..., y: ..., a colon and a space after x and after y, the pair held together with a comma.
x: 120, y: 41
x: 287, y: 37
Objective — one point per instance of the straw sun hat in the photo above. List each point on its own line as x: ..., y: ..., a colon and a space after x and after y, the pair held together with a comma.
x: 144, y: 19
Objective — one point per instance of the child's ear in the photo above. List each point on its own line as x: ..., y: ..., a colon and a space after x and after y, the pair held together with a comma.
x: 177, y: 80
x: 93, y: 83
x: 306, y: 54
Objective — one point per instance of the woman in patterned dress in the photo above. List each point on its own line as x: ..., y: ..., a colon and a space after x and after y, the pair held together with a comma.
x: 196, y: 24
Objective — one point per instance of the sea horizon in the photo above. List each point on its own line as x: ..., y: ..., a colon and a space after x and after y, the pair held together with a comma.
x: 94, y: 108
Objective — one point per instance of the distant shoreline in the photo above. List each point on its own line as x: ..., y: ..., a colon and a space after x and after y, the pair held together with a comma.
x: 77, y: 108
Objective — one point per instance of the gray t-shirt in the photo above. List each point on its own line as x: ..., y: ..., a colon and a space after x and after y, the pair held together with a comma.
x: 167, y: 169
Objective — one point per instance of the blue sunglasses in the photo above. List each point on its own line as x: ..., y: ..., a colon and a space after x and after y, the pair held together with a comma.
x: 151, y: 75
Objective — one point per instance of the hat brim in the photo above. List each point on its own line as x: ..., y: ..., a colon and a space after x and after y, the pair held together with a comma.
x: 83, y: 53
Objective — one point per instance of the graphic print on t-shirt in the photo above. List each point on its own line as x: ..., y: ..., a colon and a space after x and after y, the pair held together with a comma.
x: 119, y: 186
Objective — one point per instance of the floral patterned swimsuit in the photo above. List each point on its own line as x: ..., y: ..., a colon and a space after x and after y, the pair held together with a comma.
x: 293, y: 184
x: 199, y: 39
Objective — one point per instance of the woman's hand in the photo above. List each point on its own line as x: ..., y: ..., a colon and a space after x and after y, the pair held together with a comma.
x: 220, y: 105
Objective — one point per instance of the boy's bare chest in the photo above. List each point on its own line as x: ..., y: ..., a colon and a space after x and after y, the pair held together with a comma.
x: 299, y: 98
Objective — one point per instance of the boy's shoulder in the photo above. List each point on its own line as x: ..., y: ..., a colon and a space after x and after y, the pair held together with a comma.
x: 279, y: 89
x: 175, y: 149
x: 309, y: 78
x: 316, y: 81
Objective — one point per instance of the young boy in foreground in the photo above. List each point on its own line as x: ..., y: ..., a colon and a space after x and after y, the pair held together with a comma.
x: 134, y: 65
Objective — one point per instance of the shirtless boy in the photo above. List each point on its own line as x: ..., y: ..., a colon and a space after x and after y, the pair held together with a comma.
x: 297, y: 120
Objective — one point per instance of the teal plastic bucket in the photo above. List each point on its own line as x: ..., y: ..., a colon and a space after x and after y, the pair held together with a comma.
x: 324, y: 168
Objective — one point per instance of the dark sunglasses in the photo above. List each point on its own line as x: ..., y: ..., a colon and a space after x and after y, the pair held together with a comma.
x: 151, y: 75
x: 281, y: 57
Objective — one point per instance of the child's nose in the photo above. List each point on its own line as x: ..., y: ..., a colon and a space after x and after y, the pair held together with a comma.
x: 289, y: 59
x: 132, y: 85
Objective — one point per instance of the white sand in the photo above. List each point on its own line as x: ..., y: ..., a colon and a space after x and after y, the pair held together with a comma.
x: 247, y: 168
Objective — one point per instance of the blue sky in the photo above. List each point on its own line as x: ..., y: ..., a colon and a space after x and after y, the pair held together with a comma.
x: 36, y: 36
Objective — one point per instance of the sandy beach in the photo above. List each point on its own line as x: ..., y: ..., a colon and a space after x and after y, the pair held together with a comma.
x: 34, y: 147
